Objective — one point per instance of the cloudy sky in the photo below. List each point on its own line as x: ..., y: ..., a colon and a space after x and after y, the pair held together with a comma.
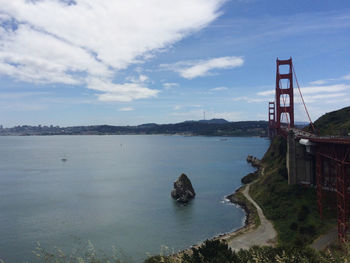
x: 81, y: 62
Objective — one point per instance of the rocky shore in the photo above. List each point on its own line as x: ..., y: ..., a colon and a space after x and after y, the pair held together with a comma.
x: 251, y: 222
x: 255, y: 162
x: 237, y: 198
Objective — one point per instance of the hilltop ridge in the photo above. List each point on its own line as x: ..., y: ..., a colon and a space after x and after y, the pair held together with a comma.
x: 333, y: 123
x: 213, y: 127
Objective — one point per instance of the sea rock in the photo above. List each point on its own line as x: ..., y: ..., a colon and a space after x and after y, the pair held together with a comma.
x: 183, y: 190
x: 254, y: 161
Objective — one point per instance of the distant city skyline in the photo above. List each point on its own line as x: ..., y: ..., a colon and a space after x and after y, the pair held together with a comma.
x: 92, y: 62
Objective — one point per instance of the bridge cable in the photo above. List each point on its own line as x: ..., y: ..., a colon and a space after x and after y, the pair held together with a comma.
x: 301, y: 95
x: 284, y: 102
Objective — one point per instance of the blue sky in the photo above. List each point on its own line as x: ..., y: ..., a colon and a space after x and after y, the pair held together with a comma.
x: 85, y: 62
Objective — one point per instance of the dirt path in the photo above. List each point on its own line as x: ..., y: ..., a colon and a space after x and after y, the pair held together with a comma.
x: 325, y: 240
x: 264, y: 235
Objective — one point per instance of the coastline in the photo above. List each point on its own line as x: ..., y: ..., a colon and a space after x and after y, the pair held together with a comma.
x: 251, y: 220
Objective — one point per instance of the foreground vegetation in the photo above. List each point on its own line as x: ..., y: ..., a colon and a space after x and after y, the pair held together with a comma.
x: 211, y: 251
x: 219, y: 252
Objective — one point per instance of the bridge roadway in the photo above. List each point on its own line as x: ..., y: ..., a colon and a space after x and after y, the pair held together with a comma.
x: 300, y: 134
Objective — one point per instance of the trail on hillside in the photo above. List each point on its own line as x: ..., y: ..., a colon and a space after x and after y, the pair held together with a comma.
x: 264, y: 235
x: 325, y: 240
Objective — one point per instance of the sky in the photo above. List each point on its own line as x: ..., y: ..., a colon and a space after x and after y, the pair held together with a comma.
x: 117, y: 62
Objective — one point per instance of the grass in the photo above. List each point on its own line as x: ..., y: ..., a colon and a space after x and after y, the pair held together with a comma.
x: 334, y: 123
x: 250, y: 177
x: 292, y: 208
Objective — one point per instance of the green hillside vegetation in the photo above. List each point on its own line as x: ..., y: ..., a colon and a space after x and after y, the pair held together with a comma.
x: 214, y: 251
x: 334, y: 123
x: 292, y: 208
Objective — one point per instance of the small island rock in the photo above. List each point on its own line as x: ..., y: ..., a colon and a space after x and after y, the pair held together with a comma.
x: 253, y: 161
x: 183, y: 190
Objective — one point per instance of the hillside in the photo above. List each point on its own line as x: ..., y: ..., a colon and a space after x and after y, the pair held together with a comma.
x: 293, y: 208
x: 214, y: 127
x: 334, y: 123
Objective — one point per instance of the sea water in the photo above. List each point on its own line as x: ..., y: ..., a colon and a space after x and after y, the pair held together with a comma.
x: 115, y: 191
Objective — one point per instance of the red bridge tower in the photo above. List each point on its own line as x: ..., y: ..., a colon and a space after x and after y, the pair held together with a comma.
x: 281, y: 92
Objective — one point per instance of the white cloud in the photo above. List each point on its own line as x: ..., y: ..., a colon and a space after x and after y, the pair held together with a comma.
x: 312, y: 89
x: 127, y: 109
x: 170, y: 85
x: 219, y: 89
x: 325, y: 81
x: 323, y: 98
x: 140, y: 79
x: 266, y: 93
x: 319, y: 82
x: 51, y: 41
x: 22, y: 107
x: 346, y: 77
x: 249, y: 99
x: 120, y: 92
x: 19, y: 95
x: 200, y: 68
x: 319, y: 99
x: 324, y: 89
x: 179, y: 107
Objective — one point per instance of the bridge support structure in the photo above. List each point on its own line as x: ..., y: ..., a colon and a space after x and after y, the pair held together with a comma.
x: 283, y: 92
x: 333, y: 179
x: 300, y: 161
x: 272, y: 124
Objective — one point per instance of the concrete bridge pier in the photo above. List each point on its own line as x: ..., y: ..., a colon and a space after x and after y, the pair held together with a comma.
x: 300, y: 161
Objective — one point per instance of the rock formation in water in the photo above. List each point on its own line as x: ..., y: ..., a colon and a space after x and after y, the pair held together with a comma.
x: 254, y: 161
x: 183, y: 190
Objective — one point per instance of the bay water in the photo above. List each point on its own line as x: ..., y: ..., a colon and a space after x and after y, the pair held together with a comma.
x: 115, y: 191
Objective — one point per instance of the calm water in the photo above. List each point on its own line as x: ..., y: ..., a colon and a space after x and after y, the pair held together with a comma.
x: 115, y: 190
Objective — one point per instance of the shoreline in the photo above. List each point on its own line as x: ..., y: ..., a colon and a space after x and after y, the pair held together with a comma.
x: 251, y: 220
x: 238, y: 199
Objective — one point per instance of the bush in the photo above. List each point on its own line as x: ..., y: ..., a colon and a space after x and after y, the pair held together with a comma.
x: 303, y: 213
x: 293, y: 226
x: 219, y: 252
x: 250, y: 177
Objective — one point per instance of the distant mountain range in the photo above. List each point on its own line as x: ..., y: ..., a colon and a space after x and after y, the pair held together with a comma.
x: 213, y: 127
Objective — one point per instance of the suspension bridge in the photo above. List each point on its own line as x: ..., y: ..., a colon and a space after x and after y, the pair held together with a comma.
x: 312, y: 160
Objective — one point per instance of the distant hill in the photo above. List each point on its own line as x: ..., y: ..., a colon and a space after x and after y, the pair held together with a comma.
x: 214, y: 127
x: 333, y: 123
x: 214, y: 121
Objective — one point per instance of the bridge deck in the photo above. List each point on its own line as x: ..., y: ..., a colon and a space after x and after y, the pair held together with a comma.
x: 320, y: 139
